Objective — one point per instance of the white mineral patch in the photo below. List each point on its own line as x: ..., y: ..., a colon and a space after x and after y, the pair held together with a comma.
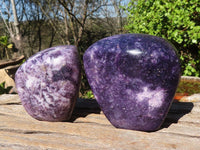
x: 154, y: 97
x: 38, y: 97
x: 154, y: 57
x: 75, y: 73
x: 48, y: 98
x: 92, y: 55
x: 56, y: 62
x: 129, y: 92
x: 31, y: 80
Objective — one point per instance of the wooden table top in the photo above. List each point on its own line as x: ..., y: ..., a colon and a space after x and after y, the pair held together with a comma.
x: 89, y: 129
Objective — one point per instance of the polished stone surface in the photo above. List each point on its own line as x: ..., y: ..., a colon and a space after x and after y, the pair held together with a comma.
x: 134, y: 78
x: 48, y: 83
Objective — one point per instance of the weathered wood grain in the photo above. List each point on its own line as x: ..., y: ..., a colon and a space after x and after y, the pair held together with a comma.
x: 89, y: 129
x: 11, y: 62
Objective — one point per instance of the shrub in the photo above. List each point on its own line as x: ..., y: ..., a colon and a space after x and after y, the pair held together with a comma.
x: 4, y: 89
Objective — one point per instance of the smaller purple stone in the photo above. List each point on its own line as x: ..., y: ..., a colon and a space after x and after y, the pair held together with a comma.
x: 134, y: 78
x: 48, y: 83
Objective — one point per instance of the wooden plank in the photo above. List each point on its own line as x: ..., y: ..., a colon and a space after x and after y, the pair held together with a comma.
x: 11, y: 62
x: 89, y: 129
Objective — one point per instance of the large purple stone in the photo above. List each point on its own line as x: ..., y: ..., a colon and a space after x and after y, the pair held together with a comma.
x: 134, y: 78
x: 48, y: 83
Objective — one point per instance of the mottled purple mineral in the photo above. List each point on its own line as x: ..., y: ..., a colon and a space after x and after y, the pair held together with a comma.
x: 48, y: 83
x: 134, y: 78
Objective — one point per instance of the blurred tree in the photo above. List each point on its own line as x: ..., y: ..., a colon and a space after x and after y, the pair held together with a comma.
x: 10, y: 19
x: 113, y: 16
x: 73, y: 13
x: 46, y: 23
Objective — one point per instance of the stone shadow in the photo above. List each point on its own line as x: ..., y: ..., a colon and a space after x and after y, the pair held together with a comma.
x: 85, y: 107
x: 176, y: 112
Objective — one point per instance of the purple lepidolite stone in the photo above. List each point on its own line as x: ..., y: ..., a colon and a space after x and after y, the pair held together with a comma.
x: 48, y: 83
x: 134, y: 78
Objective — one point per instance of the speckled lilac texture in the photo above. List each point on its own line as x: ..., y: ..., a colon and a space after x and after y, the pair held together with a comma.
x: 134, y: 78
x: 48, y: 83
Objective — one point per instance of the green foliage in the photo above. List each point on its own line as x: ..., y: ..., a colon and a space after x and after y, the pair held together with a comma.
x: 3, y: 89
x: 4, y: 42
x: 5, y: 47
x: 177, y: 21
x: 22, y: 61
x: 88, y: 95
x: 190, y: 68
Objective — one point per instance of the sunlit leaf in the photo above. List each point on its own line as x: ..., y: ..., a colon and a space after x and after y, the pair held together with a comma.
x: 10, y: 46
